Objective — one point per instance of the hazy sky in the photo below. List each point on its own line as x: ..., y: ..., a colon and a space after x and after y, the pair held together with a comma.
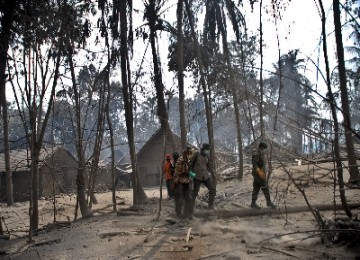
x: 298, y: 28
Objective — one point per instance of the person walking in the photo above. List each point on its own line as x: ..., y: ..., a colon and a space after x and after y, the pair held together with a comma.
x: 181, y: 182
x: 200, y: 165
x: 168, y: 175
x: 258, y: 172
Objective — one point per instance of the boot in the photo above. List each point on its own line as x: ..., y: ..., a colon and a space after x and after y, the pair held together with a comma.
x: 254, y: 205
x: 270, y: 204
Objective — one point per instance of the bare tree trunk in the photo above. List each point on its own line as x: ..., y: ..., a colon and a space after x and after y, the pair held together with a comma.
x: 334, y: 115
x: 159, y: 86
x: 180, y: 57
x: 281, y: 87
x: 206, y: 93
x: 353, y: 168
x: 8, y: 172
x: 37, y: 135
x: 34, y: 151
x: 139, y: 195
x: 262, y: 128
x: 250, y: 121
x: 236, y: 102
x: 111, y: 131
x: 6, y: 23
x: 238, y: 131
x: 99, y: 133
x: 80, y: 178
x: 236, y: 109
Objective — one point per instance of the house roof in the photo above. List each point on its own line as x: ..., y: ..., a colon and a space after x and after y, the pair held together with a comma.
x: 156, y: 135
x: 20, y: 159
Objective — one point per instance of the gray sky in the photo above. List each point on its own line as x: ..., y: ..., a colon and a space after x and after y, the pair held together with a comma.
x: 299, y: 28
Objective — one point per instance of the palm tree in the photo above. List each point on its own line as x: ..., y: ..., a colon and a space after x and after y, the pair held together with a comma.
x: 121, y: 19
x: 215, y: 20
x: 152, y: 10
x: 205, y: 89
x: 291, y: 95
x: 180, y: 62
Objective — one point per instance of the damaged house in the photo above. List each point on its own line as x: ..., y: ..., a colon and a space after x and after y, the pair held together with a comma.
x: 151, y: 157
x: 57, y: 173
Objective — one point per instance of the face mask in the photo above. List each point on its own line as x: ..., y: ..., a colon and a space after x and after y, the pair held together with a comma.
x: 207, y: 152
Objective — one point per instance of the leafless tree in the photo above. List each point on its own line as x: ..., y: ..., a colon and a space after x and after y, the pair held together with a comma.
x: 353, y: 167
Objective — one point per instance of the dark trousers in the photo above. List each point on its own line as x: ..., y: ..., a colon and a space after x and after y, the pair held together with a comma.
x: 169, y: 188
x: 209, y: 185
x: 257, y: 185
x: 183, y: 200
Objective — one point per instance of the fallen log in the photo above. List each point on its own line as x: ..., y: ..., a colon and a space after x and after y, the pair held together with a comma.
x: 112, y: 234
x: 184, y: 248
x: 48, y: 242
x: 249, y: 212
x: 129, y: 213
x: 217, y: 254
x: 106, y: 207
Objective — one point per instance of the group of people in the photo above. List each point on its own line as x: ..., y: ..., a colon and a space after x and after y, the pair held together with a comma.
x: 186, y: 172
x: 184, y: 175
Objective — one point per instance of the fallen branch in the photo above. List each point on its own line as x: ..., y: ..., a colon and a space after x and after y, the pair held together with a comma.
x: 281, y: 251
x: 48, y: 242
x: 249, y: 212
x: 150, y: 233
x: 185, y: 248
x: 106, y: 207
x: 157, y: 245
x: 330, y: 231
x: 129, y: 213
x: 313, y: 210
x: 113, y: 234
x: 334, y: 255
x: 218, y: 253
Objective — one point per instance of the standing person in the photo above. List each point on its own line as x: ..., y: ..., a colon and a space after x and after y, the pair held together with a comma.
x: 200, y: 165
x: 258, y: 172
x: 167, y: 174
x: 175, y: 157
x: 181, y: 183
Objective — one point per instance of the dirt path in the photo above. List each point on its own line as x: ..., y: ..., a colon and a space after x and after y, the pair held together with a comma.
x: 138, y: 235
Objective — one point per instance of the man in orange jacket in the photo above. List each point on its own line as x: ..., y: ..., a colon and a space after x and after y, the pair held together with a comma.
x: 168, y: 175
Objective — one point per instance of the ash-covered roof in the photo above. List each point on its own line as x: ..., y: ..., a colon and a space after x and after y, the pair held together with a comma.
x: 20, y: 159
